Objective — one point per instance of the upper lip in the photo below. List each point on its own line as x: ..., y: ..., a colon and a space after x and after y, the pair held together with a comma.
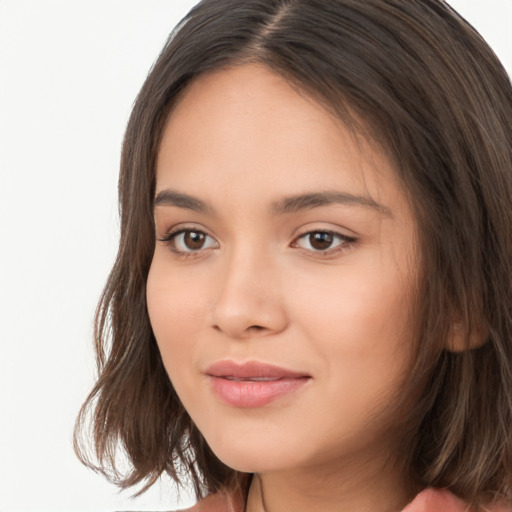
x: 251, y: 369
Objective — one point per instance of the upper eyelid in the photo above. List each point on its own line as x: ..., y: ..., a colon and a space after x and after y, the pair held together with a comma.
x: 169, y: 235
x: 323, y: 230
x: 344, y: 243
x: 176, y: 230
x: 184, y: 227
x: 335, y: 232
x: 326, y: 225
x: 169, y: 239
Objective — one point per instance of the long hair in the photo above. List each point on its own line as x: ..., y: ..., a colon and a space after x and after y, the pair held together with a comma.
x: 418, y: 80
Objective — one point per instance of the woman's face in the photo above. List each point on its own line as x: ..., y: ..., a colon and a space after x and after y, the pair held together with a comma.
x: 282, y: 281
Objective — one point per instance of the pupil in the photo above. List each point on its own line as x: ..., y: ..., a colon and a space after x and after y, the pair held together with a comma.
x: 194, y: 240
x: 321, y: 241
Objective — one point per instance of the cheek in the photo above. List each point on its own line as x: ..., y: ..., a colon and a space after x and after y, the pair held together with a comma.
x: 358, y: 321
x: 349, y: 305
x: 175, y: 311
x: 360, y: 333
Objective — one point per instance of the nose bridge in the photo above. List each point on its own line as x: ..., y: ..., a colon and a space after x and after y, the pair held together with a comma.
x: 249, y: 298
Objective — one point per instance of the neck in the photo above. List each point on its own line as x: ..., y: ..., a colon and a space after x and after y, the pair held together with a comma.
x: 349, y: 489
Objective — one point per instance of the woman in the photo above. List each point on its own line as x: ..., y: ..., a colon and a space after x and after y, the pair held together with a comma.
x: 310, y: 307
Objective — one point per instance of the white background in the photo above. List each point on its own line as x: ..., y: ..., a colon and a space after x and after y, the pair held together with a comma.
x: 69, y: 73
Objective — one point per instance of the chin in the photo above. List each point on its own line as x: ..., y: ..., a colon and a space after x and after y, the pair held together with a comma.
x: 250, y: 462
x: 251, y: 454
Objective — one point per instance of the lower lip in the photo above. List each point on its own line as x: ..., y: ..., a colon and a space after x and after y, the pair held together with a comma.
x: 246, y: 393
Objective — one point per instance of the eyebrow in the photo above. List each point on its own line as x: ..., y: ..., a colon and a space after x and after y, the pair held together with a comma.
x: 309, y: 201
x: 290, y: 204
x: 173, y: 198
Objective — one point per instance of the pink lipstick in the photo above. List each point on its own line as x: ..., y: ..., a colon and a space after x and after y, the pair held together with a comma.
x: 253, y: 384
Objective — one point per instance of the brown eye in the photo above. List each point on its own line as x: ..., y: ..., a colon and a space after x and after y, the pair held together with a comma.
x: 194, y: 240
x: 321, y: 241
x: 189, y: 240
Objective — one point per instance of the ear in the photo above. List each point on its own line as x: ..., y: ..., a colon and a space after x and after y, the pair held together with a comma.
x: 462, y: 338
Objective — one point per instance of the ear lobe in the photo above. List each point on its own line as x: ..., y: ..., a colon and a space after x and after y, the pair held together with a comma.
x: 461, y: 338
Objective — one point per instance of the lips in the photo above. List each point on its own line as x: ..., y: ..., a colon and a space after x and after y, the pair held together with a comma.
x: 253, y: 384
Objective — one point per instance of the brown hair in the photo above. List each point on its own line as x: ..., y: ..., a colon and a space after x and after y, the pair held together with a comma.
x: 437, y: 100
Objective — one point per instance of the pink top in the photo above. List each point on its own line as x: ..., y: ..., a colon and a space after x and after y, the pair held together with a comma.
x: 429, y: 500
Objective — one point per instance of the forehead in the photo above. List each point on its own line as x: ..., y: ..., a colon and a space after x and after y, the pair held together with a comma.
x: 246, y: 127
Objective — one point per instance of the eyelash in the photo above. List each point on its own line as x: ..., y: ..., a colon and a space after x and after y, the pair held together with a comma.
x: 344, y: 242
x: 170, y: 240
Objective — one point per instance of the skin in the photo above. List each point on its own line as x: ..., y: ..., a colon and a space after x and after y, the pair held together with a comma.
x: 257, y: 288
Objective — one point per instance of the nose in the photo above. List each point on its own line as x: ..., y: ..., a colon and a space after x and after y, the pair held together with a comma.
x: 250, y: 299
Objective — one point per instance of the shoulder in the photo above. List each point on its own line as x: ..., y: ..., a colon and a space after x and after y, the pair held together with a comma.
x: 219, y: 502
x: 435, y: 500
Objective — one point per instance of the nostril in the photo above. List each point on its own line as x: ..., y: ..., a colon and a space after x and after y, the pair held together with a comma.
x: 248, y: 330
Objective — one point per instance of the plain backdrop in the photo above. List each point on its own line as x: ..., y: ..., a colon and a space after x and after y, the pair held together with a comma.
x: 69, y: 73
